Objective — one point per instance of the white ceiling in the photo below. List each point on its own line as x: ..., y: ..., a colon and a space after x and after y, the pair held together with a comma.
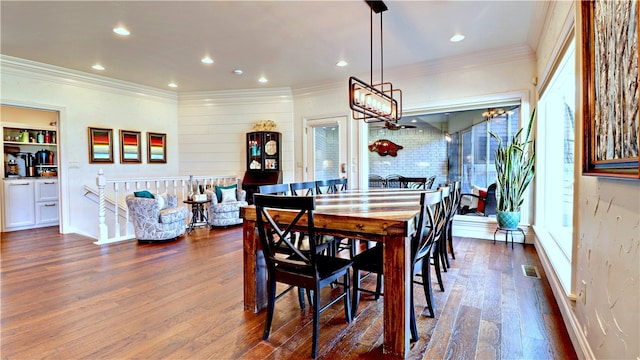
x: 292, y: 43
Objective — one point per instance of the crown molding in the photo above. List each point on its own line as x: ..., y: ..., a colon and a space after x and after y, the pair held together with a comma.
x: 236, y: 97
x: 52, y: 73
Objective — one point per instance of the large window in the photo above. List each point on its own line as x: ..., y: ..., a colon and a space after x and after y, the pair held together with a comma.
x: 555, y: 166
x: 477, y: 148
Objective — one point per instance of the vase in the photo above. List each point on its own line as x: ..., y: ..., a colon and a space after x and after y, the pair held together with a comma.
x: 508, y: 219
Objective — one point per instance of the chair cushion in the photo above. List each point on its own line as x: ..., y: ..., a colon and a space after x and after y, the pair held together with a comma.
x: 232, y: 206
x: 163, y: 200
x: 220, y: 188
x: 171, y: 215
x: 143, y: 194
x: 483, y: 195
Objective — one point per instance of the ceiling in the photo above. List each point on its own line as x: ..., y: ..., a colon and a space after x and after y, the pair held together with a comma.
x: 291, y: 43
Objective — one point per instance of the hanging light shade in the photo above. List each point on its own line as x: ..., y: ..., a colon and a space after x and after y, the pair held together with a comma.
x: 375, y: 102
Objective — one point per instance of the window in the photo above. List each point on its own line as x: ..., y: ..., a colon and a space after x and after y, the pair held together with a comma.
x: 555, y: 174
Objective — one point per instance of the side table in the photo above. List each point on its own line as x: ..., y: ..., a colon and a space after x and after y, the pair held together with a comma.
x: 506, y: 236
x: 198, y: 213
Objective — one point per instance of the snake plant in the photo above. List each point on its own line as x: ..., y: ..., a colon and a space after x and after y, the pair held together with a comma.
x: 514, y: 168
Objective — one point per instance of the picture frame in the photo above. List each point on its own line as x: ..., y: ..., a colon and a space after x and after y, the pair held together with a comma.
x: 610, y: 89
x: 130, y: 148
x: 100, y: 145
x: 156, y: 148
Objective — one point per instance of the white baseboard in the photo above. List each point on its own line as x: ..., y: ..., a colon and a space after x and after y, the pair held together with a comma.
x: 480, y: 227
x: 565, y: 303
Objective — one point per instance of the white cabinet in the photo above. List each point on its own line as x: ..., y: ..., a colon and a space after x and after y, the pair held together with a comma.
x: 18, y: 211
x: 30, y: 203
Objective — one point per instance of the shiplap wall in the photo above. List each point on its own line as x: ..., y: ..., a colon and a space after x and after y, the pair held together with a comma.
x: 212, y: 129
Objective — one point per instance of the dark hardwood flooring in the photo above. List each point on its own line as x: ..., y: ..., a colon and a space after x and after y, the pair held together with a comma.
x: 65, y: 298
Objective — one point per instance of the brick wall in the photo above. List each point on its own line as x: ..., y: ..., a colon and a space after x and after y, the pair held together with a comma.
x: 424, y: 154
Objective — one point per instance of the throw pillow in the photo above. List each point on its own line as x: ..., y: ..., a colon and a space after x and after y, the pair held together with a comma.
x: 483, y: 195
x: 143, y: 194
x: 163, y: 200
x: 228, y: 195
x: 220, y: 188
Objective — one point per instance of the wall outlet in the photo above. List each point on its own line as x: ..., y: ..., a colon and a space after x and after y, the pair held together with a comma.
x: 583, y: 293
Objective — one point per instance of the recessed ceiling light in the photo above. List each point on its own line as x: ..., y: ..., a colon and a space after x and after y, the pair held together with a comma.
x: 238, y: 72
x: 207, y: 60
x: 342, y: 63
x: 263, y: 80
x: 97, y: 67
x: 121, y: 31
x: 456, y: 38
x: 172, y: 85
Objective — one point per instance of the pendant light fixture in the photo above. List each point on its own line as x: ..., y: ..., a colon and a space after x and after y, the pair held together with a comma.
x: 375, y: 102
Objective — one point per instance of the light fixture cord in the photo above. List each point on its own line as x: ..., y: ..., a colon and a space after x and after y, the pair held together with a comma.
x: 381, y: 54
x: 371, y: 48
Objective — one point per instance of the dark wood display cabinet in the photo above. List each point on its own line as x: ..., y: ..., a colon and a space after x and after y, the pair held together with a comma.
x: 263, y: 161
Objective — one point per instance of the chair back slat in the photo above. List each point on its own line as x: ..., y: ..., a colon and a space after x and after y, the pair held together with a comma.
x: 276, y: 189
x: 326, y: 187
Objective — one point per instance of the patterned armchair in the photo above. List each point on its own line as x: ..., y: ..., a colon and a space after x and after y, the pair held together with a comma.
x: 225, y: 206
x: 157, y: 219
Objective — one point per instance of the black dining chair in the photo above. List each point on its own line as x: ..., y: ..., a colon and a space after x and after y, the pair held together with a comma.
x: 310, y: 270
x: 430, y: 180
x: 325, y: 187
x: 393, y: 181
x: 454, y: 204
x: 429, y: 225
x: 341, y: 184
x: 305, y: 188
x: 377, y: 181
x: 418, y: 183
x: 440, y: 260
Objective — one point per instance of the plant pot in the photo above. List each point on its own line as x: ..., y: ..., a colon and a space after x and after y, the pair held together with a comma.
x: 508, y: 219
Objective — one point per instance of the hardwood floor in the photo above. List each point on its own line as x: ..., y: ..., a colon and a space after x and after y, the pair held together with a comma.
x: 65, y: 298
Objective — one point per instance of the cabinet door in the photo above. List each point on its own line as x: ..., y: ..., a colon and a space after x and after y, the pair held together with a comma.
x: 46, y: 190
x: 271, y: 151
x: 47, y: 213
x: 18, y: 203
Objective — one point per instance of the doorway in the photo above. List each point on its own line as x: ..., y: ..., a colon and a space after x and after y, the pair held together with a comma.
x: 326, y: 150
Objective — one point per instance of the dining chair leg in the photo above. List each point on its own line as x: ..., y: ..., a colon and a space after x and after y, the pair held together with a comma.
x: 316, y: 323
x: 270, y: 308
x: 443, y: 251
x: 378, y: 286
x: 436, y: 264
x: 356, y: 292
x: 347, y: 298
x: 450, y: 239
x: 301, y: 298
x: 428, y: 289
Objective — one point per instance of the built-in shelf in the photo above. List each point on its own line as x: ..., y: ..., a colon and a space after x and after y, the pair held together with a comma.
x: 27, y: 143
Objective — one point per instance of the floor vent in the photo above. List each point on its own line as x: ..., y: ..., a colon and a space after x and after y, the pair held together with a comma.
x: 531, y: 271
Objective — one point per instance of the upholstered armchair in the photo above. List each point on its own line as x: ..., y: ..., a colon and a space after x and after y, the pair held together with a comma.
x: 226, y: 202
x: 158, y: 218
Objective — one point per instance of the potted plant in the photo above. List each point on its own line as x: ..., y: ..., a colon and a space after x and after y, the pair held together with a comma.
x: 514, y: 172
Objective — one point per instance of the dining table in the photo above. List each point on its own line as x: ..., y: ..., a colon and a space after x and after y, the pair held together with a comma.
x: 387, y: 216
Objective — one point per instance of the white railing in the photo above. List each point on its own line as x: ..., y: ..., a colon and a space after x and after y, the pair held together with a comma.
x: 112, y: 194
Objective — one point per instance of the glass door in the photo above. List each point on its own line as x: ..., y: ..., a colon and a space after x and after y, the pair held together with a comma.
x: 326, y: 148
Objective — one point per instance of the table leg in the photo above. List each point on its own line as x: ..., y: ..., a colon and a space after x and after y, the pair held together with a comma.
x: 397, y: 279
x: 255, y: 271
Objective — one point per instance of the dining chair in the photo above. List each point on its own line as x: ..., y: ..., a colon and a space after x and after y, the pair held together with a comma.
x: 310, y: 270
x: 393, y: 181
x: 429, y: 224
x: 377, y: 181
x: 306, y: 188
x: 341, y: 184
x: 456, y: 187
x: 413, y: 183
x: 325, y: 187
x: 440, y: 260
x: 430, y: 180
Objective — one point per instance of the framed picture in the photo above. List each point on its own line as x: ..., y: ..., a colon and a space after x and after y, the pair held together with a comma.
x: 156, y: 148
x: 130, y: 147
x: 610, y: 88
x: 100, y: 145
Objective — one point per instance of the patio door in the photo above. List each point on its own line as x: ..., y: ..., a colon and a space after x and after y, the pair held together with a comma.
x: 326, y: 148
